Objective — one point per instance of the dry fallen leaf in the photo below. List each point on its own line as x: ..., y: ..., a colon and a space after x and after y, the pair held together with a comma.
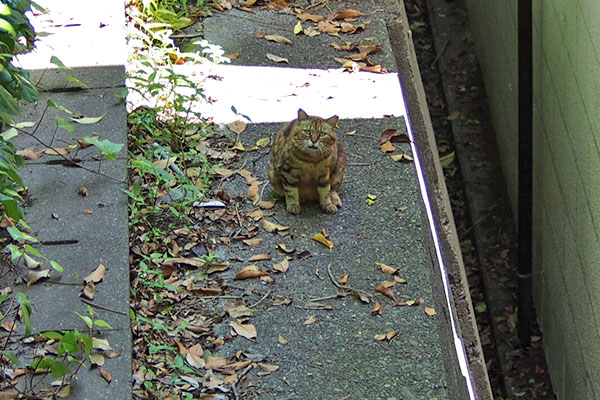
x: 282, y: 340
x: 97, y: 359
x: 105, y: 374
x: 89, y: 291
x: 387, y: 147
x: 385, y: 290
x: 386, y: 269
x: 378, y: 309
x: 323, y: 240
x: 245, y: 330
x: 430, y: 311
x: 343, y: 279
x: 278, y: 39
x: 453, y: 116
x: 283, y: 248
x: 250, y: 271
x: 253, y: 192
x: 400, y: 280
x: 401, y: 157
x: 253, y: 242
x: 30, y: 153
x: 277, y: 59
x: 224, y: 172
x: 344, y: 14
x: 268, y: 367
x: 304, y: 16
x: 259, y: 257
x: 272, y: 227
x: 97, y: 275
x: 237, y: 126
x: 310, y: 320
x: 328, y: 27
x: 58, y: 151
x: 87, y: 211
x: 35, y: 276
x: 282, y: 266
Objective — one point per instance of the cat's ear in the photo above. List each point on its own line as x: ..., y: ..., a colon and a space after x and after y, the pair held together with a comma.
x: 333, y: 121
x: 302, y: 115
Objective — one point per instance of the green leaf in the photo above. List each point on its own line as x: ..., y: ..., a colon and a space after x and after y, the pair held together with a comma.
x: 25, y: 306
x: 33, y: 251
x: 53, y: 335
x: 108, y: 149
x: 11, y: 356
x: 56, y: 266
x: 64, y: 124
x: 4, y: 25
x: 15, y: 252
x: 87, y: 342
x: 88, y: 120
x: 25, y: 124
x: 76, y: 81
x: 52, y: 104
x: 18, y: 235
x: 56, y: 61
x: 9, y: 133
x: 68, y: 343
x: 86, y: 319
x: 102, y: 323
x: 4, y: 9
x: 57, y: 368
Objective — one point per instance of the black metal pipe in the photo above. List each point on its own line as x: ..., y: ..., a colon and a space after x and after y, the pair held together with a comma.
x: 525, y: 168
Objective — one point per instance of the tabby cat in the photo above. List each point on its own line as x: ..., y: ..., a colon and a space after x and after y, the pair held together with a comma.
x: 308, y: 163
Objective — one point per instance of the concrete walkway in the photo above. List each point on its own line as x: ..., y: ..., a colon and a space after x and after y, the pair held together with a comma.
x: 337, y: 355
x: 81, y: 232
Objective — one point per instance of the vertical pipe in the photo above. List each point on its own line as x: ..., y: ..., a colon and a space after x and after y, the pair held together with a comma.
x: 525, y: 168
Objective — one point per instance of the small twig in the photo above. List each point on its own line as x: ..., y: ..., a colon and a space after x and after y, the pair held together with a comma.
x: 324, y: 298
x: 359, y: 164
x: 236, y: 391
x: 261, y: 299
x: 354, y: 291
x: 441, y: 52
x: 187, y: 35
x: 64, y: 283
x: 67, y: 159
x: 102, y: 307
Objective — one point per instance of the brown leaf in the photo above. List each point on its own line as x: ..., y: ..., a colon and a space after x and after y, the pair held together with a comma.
x: 253, y: 242
x: 8, y: 326
x: 392, y: 334
x: 310, y: 320
x: 386, y: 269
x: 249, y: 272
x: 194, y: 262
x: 97, y: 275
x: 386, y: 135
x: 30, y: 153
x: 343, y: 279
x: 105, y: 374
x: 323, y: 240
x: 350, y: 29
x: 260, y: 257
x: 277, y: 59
x: 253, y: 192
x: 400, y: 280
x: 247, y: 9
x: 237, y: 126
x: 344, y: 14
x: 430, y: 311
x: 268, y: 367
x: 224, y: 172
x: 87, y: 211
x: 378, y: 309
x: 213, y: 362
x: 205, y: 291
x: 374, y: 68
x: 238, y: 311
x: 35, y: 276
x: 284, y: 248
x: 245, y: 330
x: 374, y: 48
x: 278, y: 39
x: 58, y: 151
x: 259, y: 35
x: 282, y: 266
x: 233, y: 56
x: 328, y: 27
x: 387, y: 147
x: 381, y: 288
x: 272, y: 227
x: 304, y: 16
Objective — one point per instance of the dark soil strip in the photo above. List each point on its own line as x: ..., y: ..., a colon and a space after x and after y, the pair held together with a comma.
x: 460, y: 117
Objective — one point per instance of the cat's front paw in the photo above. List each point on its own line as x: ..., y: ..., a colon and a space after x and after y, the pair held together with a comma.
x: 293, y: 208
x: 329, y: 208
x: 335, y: 199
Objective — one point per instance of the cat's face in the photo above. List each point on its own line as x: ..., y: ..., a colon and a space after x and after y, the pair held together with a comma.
x: 315, y: 135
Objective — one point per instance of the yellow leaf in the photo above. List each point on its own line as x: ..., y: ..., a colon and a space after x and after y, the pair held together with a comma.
x: 323, y: 240
x: 263, y: 142
x: 387, y: 147
x: 282, y: 340
x: 97, y: 275
x: 310, y: 320
x: 430, y: 311
x: 35, y: 276
x: 298, y: 28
